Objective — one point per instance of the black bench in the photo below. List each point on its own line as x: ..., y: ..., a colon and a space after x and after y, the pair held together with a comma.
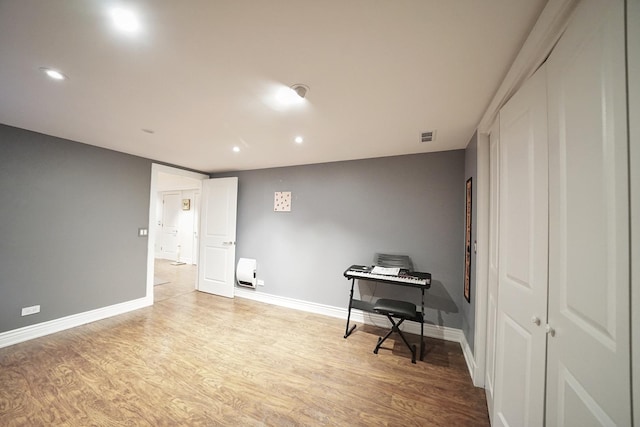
x: 396, y: 311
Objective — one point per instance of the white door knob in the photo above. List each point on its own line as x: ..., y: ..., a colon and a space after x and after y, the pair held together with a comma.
x: 535, y: 320
x: 550, y: 331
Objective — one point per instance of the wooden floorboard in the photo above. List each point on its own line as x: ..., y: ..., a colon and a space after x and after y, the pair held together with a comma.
x: 199, y: 360
x: 177, y: 279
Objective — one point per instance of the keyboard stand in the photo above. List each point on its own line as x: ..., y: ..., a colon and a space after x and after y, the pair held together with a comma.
x: 369, y: 307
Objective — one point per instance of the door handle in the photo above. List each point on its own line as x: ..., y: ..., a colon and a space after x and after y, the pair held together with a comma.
x: 228, y: 243
x: 550, y: 331
x: 535, y: 320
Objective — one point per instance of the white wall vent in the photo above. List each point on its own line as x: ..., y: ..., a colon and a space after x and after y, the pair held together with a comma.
x: 428, y: 136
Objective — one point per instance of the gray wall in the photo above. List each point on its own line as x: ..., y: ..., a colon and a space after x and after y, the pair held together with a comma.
x: 344, y: 212
x: 70, y: 214
x: 471, y: 171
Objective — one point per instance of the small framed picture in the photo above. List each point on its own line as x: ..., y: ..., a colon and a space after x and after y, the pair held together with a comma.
x: 282, y: 201
x: 186, y: 204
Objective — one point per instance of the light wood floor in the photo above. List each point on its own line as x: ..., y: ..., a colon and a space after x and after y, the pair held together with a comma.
x: 195, y: 359
x: 180, y: 279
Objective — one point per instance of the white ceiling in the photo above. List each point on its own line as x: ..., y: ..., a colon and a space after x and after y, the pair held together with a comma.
x: 202, y: 74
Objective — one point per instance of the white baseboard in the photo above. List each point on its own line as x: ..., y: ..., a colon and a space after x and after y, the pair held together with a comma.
x: 471, y: 361
x: 432, y: 331
x: 45, y: 328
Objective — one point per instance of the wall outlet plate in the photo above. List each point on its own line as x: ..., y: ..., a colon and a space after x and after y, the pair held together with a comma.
x: 31, y: 310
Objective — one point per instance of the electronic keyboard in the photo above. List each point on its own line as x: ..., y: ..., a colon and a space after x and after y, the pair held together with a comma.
x: 404, y: 277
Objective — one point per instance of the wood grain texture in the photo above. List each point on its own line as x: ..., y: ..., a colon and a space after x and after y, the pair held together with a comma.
x: 181, y: 279
x: 200, y: 360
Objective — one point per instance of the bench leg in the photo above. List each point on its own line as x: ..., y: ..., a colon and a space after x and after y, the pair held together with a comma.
x: 381, y: 340
x: 396, y: 328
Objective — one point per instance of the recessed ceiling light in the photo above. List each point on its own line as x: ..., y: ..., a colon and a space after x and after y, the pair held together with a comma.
x: 298, y: 139
x: 293, y: 95
x: 125, y: 20
x: 54, y: 74
x: 236, y: 149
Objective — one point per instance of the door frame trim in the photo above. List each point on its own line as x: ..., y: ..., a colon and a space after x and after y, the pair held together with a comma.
x: 539, y: 43
x: 482, y: 261
x: 153, y: 195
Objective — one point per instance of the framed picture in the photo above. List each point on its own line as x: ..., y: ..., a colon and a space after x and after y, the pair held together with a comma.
x: 282, y: 201
x: 186, y: 204
x: 467, y: 244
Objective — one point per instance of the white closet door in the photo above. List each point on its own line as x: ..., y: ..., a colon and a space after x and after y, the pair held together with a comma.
x: 522, y: 258
x: 588, y: 356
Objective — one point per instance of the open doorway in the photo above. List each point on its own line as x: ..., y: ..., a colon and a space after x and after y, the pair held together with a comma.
x: 174, y: 222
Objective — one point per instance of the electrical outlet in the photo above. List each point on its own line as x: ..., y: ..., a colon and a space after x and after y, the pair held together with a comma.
x: 260, y: 282
x: 31, y: 310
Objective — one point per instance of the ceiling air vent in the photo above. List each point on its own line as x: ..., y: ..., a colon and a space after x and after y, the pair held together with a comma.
x: 428, y: 136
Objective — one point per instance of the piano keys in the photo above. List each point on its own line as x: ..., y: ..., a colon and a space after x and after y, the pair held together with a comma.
x: 404, y: 277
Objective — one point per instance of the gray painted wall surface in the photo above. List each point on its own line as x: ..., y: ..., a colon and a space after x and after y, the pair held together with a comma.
x: 344, y: 212
x: 469, y: 309
x: 70, y: 215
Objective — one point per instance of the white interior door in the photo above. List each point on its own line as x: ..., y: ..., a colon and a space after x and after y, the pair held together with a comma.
x: 589, y: 374
x: 170, y: 225
x: 492, y: 285
x: 522, y: 258
x: 196, y: 226
x: 187, y: 223
x: 216, y: 270
x: 157, y: 228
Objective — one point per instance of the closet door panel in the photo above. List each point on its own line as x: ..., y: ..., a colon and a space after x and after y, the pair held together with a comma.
x: 522, y: 257
x: 588, y: 353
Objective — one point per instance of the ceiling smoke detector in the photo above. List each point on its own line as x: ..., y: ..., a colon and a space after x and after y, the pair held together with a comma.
x: 428, y: 136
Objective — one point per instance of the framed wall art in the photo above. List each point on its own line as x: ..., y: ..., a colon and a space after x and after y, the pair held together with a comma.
x: 282, y: 201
